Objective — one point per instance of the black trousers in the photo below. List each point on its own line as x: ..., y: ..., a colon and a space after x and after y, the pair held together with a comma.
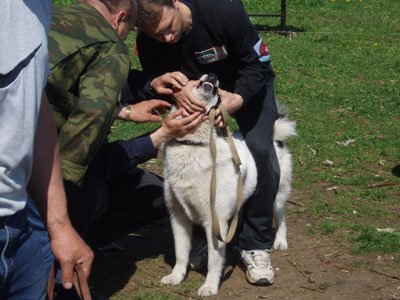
x: 102, y: 210
x: 256, y: 121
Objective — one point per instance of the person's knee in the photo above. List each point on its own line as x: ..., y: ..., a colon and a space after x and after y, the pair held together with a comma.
x: 260, y: 150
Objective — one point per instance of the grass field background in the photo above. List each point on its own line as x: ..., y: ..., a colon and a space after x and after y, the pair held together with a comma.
x: 338, y: 73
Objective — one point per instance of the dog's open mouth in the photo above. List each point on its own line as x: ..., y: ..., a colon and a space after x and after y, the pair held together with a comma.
x: 207, y: 87
x: 209, y: 83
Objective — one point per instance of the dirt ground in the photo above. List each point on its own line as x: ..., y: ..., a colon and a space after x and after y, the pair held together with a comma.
x: 314, y: 267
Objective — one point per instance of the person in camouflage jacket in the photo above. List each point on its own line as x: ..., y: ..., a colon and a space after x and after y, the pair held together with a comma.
x: 89, y: 65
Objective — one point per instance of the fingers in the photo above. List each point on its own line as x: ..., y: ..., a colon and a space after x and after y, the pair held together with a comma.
x: 195, y: 123
x: 157, y: 103
x: 173, y: 115
x: 218, y: 118
x: 67, y: 274
x: 188, y: 101
x: 195, y: 104
x: 153, y: 118
x: 189, y: 119
x: 177, y: 83
x: 165, y: 84
x: 86, y: 262
x: 187, y: 107
x: 159, y: 106
x: 164, y: 91
x: 178, y: 79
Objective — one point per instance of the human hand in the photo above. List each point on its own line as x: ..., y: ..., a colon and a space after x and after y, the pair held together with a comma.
x: 145, y: 111
x: 169, y: 82
x: 232, y: 102
x: 69, y: 249
x: 186, y: 100
x: 173, y: 126
x: 177, y: 127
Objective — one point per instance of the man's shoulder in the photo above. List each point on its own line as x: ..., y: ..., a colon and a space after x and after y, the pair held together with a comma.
x: 218, y: 5
x: 83, y: 22
x: 79, y: 26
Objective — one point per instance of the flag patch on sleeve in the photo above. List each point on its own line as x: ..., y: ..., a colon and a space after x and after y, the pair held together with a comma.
x: 262, y: 51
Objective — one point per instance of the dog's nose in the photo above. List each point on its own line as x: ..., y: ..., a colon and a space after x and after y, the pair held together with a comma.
x: 212, y: 78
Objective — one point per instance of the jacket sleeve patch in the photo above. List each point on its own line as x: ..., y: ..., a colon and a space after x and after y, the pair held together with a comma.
x: 262, y: 51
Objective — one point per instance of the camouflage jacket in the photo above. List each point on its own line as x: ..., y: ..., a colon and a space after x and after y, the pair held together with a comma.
x: 89, y: 65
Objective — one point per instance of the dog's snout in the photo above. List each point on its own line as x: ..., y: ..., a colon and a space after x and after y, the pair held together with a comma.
x: 212, y: 78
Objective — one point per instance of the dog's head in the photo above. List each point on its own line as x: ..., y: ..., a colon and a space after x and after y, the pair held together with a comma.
x: 206, y: 91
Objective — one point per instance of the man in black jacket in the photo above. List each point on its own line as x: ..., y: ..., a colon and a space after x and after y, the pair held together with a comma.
x: 196, y: 37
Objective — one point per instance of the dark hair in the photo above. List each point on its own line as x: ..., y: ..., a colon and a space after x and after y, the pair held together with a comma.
x: 130, y: 6
x: 150, y: 13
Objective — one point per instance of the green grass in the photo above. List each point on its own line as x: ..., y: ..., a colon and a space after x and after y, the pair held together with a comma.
x: 340, y: 79
x: 339, y: 75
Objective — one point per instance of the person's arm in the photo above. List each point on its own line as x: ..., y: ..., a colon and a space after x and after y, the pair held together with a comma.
x: 174, y: 127
x: 247, y: 48
x: 47, y: 191
x: 119, y: 157
x: 145, y: 111
x: 89, y: 123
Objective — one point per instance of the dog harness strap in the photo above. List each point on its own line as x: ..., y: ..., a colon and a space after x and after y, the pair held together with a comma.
x: 228, y: 135
x: 213, y: 184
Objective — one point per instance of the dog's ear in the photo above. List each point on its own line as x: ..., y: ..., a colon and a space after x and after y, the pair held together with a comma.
x: 203, y: 78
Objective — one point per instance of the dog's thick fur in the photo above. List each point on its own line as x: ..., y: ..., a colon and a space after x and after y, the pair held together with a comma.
x: 187, y: 172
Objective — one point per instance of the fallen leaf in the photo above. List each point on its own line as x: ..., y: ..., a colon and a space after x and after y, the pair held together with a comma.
x: 328, y: 162
x: 346, y: 143
x: 390, y: 230
x: 332, y: 188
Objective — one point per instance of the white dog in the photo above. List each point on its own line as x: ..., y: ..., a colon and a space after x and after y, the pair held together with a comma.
x: 187, y: 172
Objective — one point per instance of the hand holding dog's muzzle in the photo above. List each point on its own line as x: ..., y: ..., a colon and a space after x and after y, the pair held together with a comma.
x: 186, y: 100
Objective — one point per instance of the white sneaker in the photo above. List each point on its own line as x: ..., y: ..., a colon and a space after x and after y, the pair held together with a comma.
x: 259, y: 270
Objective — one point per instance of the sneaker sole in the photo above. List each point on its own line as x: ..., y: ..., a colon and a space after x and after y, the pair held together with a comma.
x: 260, y: 282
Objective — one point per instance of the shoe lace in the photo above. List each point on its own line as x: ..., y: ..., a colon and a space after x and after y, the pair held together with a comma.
x: 260, y: 259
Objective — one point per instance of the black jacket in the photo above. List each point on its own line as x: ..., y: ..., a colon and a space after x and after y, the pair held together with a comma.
x: 222, y: 41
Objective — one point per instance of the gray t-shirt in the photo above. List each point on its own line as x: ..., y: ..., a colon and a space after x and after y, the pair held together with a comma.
x: 24, y: 25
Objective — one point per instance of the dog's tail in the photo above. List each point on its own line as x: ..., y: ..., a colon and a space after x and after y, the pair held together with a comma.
x: 283, y: 128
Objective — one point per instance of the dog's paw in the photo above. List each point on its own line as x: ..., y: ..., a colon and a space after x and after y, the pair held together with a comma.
x: 280, y: 244
x: 207, y: 290
x: 172, y: 279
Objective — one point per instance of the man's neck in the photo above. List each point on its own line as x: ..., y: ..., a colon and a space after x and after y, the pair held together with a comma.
x: 100, y: 7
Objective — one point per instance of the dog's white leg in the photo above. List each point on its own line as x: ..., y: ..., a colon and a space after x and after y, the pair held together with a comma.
x: 216, y: 257
x: 280, y: 219
x: 182, y: 230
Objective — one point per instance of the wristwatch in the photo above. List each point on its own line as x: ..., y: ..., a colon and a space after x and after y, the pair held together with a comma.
x: 128, y: 113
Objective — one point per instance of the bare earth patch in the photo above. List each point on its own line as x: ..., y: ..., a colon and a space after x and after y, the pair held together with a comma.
x: 314, y: 267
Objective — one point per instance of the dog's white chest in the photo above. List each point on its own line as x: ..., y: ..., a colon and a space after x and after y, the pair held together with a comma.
x: 187, y: 172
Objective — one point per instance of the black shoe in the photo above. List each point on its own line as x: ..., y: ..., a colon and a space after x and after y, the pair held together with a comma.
x: 198, y: 255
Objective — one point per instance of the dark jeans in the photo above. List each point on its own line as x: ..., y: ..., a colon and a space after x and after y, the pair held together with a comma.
x: 23, y: 268
x: 103, y: 209
x: 256, y: 121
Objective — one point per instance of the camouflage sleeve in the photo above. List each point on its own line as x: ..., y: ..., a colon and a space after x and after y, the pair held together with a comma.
x: 89, y: 123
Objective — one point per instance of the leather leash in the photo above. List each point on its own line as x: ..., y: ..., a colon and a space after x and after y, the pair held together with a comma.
x: 213, y: 185
x: 80, y: 282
